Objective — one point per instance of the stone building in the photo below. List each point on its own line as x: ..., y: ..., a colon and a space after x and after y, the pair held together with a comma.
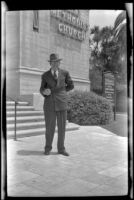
x: 31, y: 36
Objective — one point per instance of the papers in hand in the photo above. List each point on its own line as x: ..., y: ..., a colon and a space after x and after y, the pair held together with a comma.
x: 47, y: 92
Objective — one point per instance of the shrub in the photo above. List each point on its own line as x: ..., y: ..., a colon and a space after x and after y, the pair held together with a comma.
x: 87, y: 108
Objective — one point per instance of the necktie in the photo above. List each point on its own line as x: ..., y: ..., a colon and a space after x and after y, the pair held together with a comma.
x: 55, y: 75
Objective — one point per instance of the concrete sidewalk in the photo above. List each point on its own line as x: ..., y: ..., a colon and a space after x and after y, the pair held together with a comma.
x: 97, y: 165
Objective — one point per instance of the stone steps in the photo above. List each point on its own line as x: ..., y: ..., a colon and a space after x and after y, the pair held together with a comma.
x: 25, y: 119
x: 28, y: 121
x: 25, y: 113
x: 19, y: 103
x: 38, y: 131
x: 11, y: 107
x: 26, y: 125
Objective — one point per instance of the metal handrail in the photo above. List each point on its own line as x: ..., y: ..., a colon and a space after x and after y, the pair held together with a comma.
x: 16, y: 103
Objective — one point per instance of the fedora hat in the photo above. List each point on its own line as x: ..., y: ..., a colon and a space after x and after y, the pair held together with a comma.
x: 54, y: 57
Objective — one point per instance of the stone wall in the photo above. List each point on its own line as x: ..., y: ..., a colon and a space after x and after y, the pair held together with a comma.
x: 37, y: 46
x: 28, y: 52
x: 12, y: 54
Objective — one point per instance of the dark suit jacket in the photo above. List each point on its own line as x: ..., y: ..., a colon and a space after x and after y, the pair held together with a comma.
x: 57, y: 101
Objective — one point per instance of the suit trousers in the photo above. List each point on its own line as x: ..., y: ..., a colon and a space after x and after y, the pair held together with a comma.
x: 50, y: 120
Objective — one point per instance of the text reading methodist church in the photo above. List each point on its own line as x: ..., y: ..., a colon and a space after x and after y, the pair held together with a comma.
x: 31, y: 36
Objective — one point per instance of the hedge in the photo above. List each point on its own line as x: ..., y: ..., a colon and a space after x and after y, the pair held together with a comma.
x: 87, y: 108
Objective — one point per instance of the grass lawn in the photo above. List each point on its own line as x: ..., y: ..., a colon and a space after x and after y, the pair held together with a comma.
x: 119, y: 126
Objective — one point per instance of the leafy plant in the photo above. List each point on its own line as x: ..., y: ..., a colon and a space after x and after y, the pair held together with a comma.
x: 87, y: 108
x: 108, y: 52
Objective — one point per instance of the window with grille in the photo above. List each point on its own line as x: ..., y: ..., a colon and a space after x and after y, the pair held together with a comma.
x: 35, y: 20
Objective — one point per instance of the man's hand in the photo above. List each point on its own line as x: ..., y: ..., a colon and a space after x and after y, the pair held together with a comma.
x: 47, y: 92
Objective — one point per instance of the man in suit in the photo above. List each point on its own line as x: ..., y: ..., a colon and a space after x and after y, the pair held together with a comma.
x: 54, y: 86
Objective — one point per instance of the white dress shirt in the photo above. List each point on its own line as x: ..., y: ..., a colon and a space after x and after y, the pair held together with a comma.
x: 52, y: 71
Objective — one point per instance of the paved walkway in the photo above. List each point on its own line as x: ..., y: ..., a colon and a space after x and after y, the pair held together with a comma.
x: 97, y: 165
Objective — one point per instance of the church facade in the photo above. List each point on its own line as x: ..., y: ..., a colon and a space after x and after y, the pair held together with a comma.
x: 31, y: 36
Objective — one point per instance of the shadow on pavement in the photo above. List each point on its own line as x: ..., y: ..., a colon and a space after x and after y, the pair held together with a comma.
x: 35, y: 153
x: 28, y: 152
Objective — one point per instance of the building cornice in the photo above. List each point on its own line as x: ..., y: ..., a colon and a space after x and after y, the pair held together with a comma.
x: 36, y: 71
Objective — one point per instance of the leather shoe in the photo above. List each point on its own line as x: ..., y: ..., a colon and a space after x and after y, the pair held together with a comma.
x: 47, y: 153
x: 64, y: 153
